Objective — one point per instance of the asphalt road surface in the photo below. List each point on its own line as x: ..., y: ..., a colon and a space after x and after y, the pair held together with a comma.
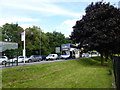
x: 32, y: 63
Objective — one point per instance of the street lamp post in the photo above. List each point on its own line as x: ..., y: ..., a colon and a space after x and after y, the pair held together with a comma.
x: 23, y: 39
x: 24, y: 51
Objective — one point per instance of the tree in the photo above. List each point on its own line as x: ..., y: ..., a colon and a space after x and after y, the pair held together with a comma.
x: 36, y: 41
x: 12, y: 33
x: 56, y: 39
x: 99, y: 29
x: 1, y: 33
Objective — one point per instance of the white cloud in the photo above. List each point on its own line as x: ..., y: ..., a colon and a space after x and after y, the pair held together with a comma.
x: 44, y: 6
x: 66, y: 27
x: 24, y: 26
x: 4, y: 20
x: 47, y: 1
x: 77, y: 0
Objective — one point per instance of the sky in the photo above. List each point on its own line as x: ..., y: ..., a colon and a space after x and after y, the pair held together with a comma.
x: 49, y: 15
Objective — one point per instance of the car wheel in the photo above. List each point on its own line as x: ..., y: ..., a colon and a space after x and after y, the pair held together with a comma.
x: 3, y: 62
x: 15, y: 61
x: 29, y: 61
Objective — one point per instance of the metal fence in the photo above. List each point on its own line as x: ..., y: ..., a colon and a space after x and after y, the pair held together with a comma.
x: 116, y: 69
x: 11, y: 64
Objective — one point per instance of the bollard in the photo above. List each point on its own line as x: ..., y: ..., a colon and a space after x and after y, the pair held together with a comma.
x: 5, y: 64
x: 12, y: 62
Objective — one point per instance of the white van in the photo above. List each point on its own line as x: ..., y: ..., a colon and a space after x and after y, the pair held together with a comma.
x: 52, y: 57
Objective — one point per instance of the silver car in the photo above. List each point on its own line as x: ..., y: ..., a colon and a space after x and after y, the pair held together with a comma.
x: 34, y: 58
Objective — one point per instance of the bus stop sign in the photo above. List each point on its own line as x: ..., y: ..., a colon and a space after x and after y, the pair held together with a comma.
x: 57, y: 49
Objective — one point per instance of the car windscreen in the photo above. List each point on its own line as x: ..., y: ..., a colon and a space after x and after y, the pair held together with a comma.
x: 50, y: 55
x: 21, y: 57
x: 2, y: 57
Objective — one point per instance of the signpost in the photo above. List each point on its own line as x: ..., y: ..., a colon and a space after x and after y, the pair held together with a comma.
x: 57, y: 49
x: 7, y: 46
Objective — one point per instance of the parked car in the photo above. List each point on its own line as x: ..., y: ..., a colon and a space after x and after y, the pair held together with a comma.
x: 43, y: 57
x: 85, y: 55
x: 3, y: 59
x: 65, y: 56
x: 20, y: 59
x: 38, y: 57
x: 52, y: 57
x: 34, y: 58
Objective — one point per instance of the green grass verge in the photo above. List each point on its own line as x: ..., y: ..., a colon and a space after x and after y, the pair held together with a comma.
x: 81, y: 73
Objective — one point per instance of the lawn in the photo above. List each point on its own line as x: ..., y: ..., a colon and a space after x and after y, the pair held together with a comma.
x: 81, y: 73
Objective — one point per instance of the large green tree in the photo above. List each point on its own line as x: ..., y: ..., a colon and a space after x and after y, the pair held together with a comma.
x: 56, y: 39
x: 36, y: 41
x: 99, y: 29
x: 12, y: 33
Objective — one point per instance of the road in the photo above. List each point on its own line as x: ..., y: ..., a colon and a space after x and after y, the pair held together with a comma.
x: 32, y: 63
x: 35, y: 63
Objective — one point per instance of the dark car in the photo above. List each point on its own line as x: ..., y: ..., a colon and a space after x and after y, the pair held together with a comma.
x: 43, y: 57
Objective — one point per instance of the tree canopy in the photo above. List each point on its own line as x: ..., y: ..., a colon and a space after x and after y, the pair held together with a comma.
x: 37, y: 42
x: 12, y: 33
x: 99, y: 28
x: 56, y: 39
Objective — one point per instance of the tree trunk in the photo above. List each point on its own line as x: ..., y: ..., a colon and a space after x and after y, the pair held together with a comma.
x: 106, y: 57
x: 102, y: 59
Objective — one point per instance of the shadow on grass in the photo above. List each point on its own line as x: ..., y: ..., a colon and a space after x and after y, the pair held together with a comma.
x: 97, y: 58
x: 89, y: 61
